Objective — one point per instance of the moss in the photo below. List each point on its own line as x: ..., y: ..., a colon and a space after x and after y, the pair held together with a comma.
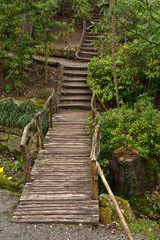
x: 140, y: 205
x: 149, y: 164
x: 43, y: 94
x: 105, y: 202
x: 105, y: 215
x: 38, y: 103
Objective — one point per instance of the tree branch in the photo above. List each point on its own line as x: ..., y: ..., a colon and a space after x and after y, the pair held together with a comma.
x: 135, y: 32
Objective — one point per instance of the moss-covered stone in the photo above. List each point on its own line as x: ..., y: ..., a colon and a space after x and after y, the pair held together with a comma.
x: 105, y: 215
x: 3, y: 146
x: 43, y: 94
x: 14, y: 144
x: 3, y: 136
x: 7, y: 184
x: 106, y: 202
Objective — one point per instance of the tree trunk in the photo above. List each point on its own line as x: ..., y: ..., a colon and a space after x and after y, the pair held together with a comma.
x: 127, y: 172
x: 113, y: 55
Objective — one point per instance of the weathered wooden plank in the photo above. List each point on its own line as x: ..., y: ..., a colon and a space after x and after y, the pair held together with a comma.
x: 28, y: 196
x: 56, y: 212
x: 93, y: 220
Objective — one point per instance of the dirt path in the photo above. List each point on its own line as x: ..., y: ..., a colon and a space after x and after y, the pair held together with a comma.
x: 14, y: 231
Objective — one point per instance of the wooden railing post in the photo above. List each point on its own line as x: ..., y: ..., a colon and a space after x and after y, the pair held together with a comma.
x: 55, y: 104
x: 50, y: 112
x: 41, y: 137
x: 26, y: 164
x: 94, y: 180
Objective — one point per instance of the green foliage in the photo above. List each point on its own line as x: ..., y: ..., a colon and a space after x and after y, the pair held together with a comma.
x: 137, y: 50
x: 136, y: 127
x: 145, y: 229
x: 19, y: 164
x: 12, y: 115
x: 18, y: 19
x: 82, y: 9
x: 132, y: 71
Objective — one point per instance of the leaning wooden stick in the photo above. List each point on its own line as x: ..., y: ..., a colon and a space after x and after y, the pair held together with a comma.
x: 125, y: 225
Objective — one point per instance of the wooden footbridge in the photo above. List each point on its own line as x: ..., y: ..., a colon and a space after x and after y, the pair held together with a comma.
x: 58, y: 189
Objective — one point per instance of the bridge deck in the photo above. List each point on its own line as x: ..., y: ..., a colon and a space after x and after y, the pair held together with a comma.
x: 60, y: 191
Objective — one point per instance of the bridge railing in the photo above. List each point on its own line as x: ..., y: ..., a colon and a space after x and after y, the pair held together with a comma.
x: 37, y: 120
x: 81, y: 39
x: 94, y: 164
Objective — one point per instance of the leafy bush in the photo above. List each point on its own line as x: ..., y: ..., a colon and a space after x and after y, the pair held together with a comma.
x: 82, y: 9
x: 136, y: 127
x: 134, y: 75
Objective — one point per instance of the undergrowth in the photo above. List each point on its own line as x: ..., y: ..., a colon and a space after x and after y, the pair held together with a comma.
x: 14, y: 116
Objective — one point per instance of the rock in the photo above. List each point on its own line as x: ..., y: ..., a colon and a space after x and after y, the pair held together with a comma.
x: 108, y: 211
x: 14, y: 144
x: 3, y: 136
x: 127, y: 172
x: 105, y: 215
x: 14, y: 131
x: 3, y: 146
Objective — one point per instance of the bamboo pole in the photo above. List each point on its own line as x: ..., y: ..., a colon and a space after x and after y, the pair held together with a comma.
x: 122, y: 219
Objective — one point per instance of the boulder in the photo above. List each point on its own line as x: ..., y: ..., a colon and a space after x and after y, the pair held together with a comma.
x: 14, y: 144
x: 108, y: 211
x: 127, y: 172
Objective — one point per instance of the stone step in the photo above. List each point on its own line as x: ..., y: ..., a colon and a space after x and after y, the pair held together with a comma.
x: 74, y: 79
x: 82, y: 59
x: 88, y: 45
x: 89, y: 37
x: 73, y: 92
x: 87, y: 41
x: 75, y: 85
x: 78, y: 104
x: 75, y: 73
x: 87, y: 54
x: 88, y: 49
x: 88, y: 33
x: 80, y: 68
x: 77, y: 98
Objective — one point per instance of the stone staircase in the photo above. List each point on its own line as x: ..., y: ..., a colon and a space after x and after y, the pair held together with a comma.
x: 75, y: 92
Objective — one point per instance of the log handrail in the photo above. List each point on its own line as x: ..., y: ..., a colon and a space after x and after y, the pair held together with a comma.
x: 95, y: 167
x: 37, y: 119
x: 81, y: 39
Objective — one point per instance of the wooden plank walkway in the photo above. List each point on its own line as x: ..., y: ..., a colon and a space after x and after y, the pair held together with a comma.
x: 60, y: 191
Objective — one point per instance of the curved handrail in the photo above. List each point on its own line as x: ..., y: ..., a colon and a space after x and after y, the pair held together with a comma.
x: 38, y: 119
x: 82, y: 37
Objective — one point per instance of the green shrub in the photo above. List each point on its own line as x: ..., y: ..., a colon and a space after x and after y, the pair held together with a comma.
x: 136, y: 127
x: 134, y: 74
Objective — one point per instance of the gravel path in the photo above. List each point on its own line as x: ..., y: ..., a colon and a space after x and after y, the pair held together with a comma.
x: 13, y: 231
